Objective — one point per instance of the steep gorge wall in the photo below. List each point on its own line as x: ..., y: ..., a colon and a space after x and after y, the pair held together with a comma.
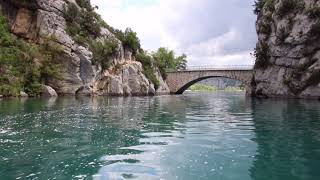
x: 35, y: 20
x: 288, y: 49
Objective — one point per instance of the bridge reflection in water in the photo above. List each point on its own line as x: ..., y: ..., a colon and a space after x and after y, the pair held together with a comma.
x: 181, y: 80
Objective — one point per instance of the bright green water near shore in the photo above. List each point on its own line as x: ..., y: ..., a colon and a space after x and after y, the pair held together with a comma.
x: 223, y: 136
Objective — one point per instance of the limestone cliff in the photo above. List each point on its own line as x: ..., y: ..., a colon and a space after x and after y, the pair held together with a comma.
x: 35, y: 20
x: 288, y: 49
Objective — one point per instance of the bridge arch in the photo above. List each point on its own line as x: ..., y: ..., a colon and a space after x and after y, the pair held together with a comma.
x: 180, y: 81
x: 189, y: 84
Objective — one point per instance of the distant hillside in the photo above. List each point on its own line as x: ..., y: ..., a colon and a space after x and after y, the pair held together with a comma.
x: 222, y: 83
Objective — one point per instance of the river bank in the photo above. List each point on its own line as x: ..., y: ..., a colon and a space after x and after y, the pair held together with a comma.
x: 208, y: 88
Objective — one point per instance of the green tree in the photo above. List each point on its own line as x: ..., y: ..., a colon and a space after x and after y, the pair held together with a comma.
x: 49, y: 55
x: 72, y: 13
x: 10, y: 79
x: 23, y: 65
x: 103, y: 51
x: 89, y: 23
x: 260, y: 4
x: 166, y: 59
x: 130, y: 40
x: 86, y: 4
x: 82, y: 24
x: 181, y: 62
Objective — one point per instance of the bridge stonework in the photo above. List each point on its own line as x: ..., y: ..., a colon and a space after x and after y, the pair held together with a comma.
x: 180, y: 81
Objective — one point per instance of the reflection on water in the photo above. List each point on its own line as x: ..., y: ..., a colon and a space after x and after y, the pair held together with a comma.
x: 288, y: 138
x: 194, y: 136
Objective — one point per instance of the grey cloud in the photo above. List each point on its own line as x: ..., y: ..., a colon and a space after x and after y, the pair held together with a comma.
x: 208, y: 31
x: 206, y: 19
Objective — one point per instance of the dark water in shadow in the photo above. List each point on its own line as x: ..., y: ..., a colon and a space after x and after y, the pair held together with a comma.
x: 222, y: 136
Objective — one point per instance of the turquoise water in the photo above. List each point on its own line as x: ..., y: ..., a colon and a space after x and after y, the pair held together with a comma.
x: 219, y: 136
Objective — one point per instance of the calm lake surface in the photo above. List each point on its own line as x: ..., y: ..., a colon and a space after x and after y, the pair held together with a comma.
x: 218, y: 136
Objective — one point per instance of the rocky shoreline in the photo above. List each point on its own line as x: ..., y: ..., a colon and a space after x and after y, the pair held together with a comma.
x: 287, y: 53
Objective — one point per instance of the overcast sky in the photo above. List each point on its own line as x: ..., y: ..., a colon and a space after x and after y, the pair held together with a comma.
x: 209, y: 31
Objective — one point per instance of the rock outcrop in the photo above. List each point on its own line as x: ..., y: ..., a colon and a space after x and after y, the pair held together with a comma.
x: 125, y: 79
x: 48, y: 91
x: 23, y: 94
x: 288, y: 50
x: 35, y: 20
x: 163, y: 86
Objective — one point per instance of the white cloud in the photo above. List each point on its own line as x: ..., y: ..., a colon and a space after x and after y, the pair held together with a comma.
x: 109, y: 3
x: 213, y: 46
x: 241, y: 58
x: 208, y: 31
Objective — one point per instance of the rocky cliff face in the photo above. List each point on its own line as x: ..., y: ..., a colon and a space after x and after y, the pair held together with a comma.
x: 127, y: 79
x: 34, y: 20
x: 288, y: 50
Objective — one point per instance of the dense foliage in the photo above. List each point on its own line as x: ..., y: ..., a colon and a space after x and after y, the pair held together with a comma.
x: 260, y: 4
x: 102, y: 51
x: 24, y: 66
x: 165, y: 59
x: 82, y: 24
x: 128, y: 38
x: 131, y: 41
x: 84, y: 4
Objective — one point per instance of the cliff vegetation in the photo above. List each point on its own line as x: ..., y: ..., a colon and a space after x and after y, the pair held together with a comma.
x: 24, y: 66
x: 65, y: 44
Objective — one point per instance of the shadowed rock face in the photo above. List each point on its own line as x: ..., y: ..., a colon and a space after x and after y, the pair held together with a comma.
x: 34, y: 20
x: 23, y: 25
x: 289, y: 49
x: 47, y: 91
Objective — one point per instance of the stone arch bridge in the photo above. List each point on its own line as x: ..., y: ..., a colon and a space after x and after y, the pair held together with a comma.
x: 179, y: 81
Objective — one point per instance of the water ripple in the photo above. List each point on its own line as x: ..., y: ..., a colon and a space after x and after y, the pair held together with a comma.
x: 207, y: 136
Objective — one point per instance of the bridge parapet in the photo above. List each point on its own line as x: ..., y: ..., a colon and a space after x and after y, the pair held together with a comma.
x: 214, y: 67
